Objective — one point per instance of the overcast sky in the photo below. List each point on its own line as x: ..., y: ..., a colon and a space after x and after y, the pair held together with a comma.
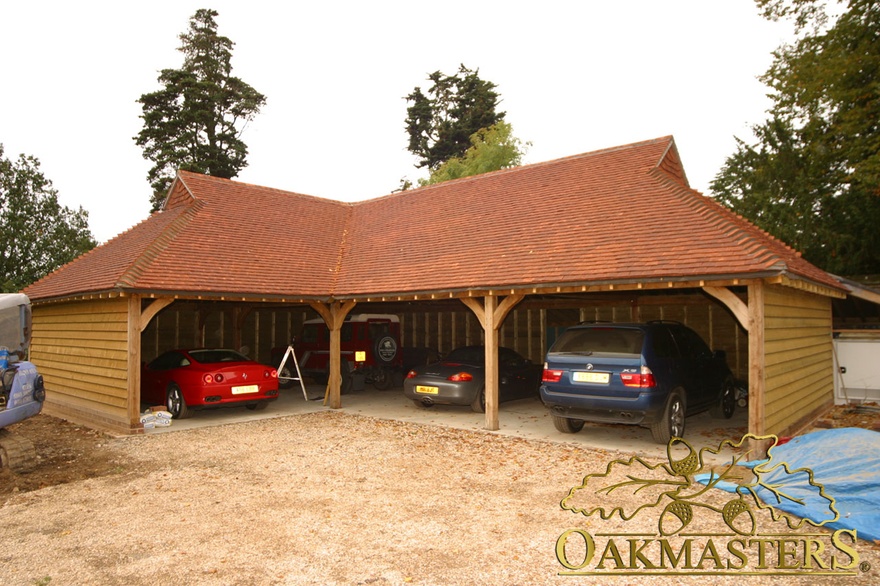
x: 574, y: 77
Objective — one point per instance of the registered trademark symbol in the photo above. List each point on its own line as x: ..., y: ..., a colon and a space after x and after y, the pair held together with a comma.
x: 864, y: 567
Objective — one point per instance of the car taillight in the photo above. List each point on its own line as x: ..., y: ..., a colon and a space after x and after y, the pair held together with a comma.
x: 461, y: 377
x: 551, y: 376
x: 270, y: 373
x: 209, y: 379
x: 411, y: 374
x: 644, y: 379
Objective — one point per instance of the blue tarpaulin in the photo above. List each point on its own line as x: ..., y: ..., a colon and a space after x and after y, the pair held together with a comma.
x: 845, y: 461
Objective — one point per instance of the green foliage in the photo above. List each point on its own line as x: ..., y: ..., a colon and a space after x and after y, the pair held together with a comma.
x: 195, y: 121
x: 37, y: 234
x: 812, y: 178
x: 441, y: 123
x: 491, y: 149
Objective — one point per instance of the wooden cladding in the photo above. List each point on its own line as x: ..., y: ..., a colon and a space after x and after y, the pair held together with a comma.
x: 798, y: 358
x: 81, y: 350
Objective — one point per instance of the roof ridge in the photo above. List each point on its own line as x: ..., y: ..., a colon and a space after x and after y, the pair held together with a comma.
x: 130, y: 276
x: 264, y: 188
x: 537, y: 165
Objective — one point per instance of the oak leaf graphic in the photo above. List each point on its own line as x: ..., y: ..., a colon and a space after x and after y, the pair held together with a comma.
x: 673, y: 485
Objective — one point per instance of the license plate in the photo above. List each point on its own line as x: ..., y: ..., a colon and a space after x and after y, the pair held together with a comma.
x: 245, y: 389
x: 591, y: 377
x: 427, y: 390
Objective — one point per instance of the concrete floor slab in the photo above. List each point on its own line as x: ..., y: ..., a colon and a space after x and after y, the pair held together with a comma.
x: 526, y: 418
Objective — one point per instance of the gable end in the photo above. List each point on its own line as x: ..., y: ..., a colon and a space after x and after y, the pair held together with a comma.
x: 670, y: 163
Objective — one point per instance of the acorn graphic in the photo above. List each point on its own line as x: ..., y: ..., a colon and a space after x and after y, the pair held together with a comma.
x: 738, y: 516
x: 687, y: 465
x: 675, y: 517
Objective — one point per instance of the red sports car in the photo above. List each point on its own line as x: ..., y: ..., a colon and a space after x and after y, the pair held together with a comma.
x: 185, y: 380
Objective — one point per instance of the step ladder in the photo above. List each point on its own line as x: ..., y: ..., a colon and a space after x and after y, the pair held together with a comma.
x: 290, y: 354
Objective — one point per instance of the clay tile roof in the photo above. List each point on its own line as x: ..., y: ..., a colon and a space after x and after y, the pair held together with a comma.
x: 624, y: 214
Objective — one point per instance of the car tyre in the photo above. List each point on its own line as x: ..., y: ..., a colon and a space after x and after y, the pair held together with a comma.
x: 176, y: 404
x: 671, y: 423
x: 288, y: 372
x: 383, y: 379
x: 566, y: 425
x: 726, y: 404
x: 479, y: 404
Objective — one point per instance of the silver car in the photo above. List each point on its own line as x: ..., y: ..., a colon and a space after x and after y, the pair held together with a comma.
x: 459, y: 379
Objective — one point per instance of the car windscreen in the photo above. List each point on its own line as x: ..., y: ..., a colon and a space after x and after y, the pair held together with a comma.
x: 214, y: 356
x: 467, y: 355
x: 599, y: 340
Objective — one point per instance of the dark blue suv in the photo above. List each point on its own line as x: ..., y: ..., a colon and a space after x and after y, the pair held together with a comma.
x: 652, y: 374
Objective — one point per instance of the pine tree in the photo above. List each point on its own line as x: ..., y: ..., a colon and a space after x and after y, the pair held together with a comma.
x: 195, y: 121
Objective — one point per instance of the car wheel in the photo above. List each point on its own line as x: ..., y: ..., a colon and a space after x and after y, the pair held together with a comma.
x: 176, y: 404
x: 479, y: 404
x: 671, y: 423
x: 566, y: 425
x: 259, y: 406
x: 726, y: 404
x: 383, y: 379
x: 288, y: 372
x: 347, y: 381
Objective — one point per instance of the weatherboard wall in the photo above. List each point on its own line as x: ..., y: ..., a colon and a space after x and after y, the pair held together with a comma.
x: 81, y: 349
x: 798, y: 358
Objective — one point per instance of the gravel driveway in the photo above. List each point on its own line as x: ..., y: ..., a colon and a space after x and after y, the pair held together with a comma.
x: 325, y: 498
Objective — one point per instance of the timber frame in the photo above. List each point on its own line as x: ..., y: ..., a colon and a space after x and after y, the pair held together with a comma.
x: 490, y: 309
x: 196, y: 261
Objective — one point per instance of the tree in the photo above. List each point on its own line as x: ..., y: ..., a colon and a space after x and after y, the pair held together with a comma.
x: 196, y: 120
x: 491, y: 149
x: 812, y: 177
x: 441, y: 123
x: 37, y: 234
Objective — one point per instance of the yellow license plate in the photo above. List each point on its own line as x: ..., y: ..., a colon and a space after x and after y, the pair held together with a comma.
x: 245, y: 389
x: 601, y: 378
x: 427, y: 390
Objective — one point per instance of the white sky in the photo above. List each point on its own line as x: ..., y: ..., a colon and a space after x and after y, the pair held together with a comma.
x: 574, y: 76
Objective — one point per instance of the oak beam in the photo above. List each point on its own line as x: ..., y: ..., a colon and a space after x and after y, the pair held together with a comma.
x: 757, y: 356
x: 736, y: 306
x: 334, y: 316
x: 491, y: 315
x: 150, y: 312
x: 135, y: 318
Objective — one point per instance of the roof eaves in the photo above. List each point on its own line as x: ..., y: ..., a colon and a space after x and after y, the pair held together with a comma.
x: 682, y: 282
x: 860, y: 291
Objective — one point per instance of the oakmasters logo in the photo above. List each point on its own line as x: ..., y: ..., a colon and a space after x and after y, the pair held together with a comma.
x: 704, y: 531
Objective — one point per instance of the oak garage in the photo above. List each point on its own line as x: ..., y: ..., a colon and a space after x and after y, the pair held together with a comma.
x: 507, y: 257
